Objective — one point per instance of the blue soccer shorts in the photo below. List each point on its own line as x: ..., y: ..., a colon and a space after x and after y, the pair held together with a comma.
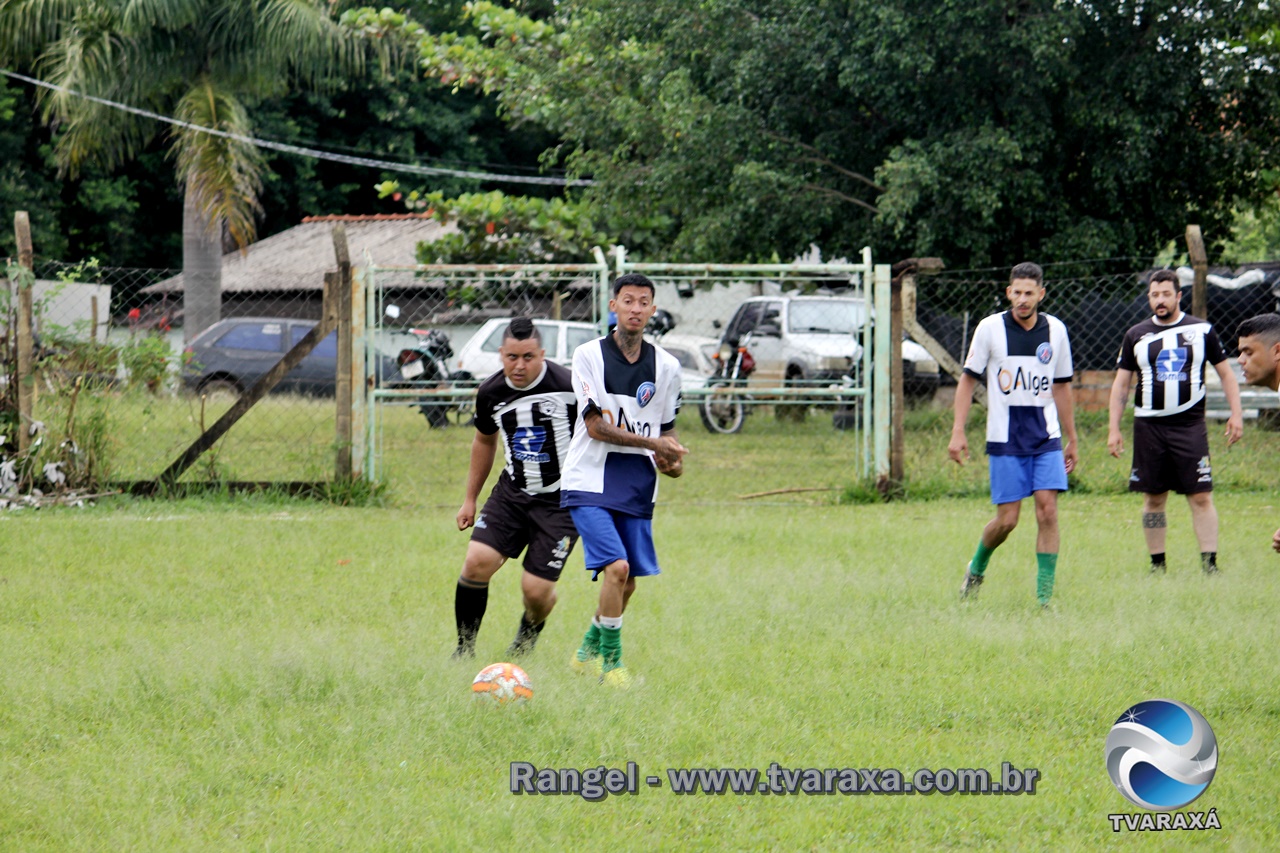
x: 1016, y: 477
x: 609, y: 536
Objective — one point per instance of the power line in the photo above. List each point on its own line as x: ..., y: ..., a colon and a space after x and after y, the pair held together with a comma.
x: 314, y: 153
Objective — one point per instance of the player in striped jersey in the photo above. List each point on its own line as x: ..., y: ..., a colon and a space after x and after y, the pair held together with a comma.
x: 531, y: 404
x: 1167, y: 353
x: 1026, y: 357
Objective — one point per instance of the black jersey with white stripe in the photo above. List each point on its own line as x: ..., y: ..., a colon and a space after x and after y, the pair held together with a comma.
x: 536, y: 424
x: 1169, y: 361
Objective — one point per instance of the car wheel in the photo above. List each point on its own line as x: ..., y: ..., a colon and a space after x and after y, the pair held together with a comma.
x: 220, y: 389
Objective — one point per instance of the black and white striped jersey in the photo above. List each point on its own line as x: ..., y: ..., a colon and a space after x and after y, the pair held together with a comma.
x: 536, y: 424
x: 1169, y: 362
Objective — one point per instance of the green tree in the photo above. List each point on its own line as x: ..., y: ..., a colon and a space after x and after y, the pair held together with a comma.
x: 204, y: 62
x: 985, y: 132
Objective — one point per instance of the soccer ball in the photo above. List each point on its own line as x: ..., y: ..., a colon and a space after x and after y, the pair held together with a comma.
x: 502, y: 684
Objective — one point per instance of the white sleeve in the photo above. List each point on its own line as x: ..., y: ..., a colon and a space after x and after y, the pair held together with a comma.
x: 588, y: 378
x: 671, y: 405
x: 1063, y: 368
x: 979, y: 349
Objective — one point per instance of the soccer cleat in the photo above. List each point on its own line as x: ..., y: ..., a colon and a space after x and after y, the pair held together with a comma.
x: 618, y: 678
x: 1211, y: 569
x: 591, y: 666
x: 1158, y: 568
x: 464, y: 653
x: 969, y: 588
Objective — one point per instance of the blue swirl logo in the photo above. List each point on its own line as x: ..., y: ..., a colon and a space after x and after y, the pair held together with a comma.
x: 1161, y: 754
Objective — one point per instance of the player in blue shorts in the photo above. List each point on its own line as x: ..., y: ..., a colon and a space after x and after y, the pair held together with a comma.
x: 628, y: 393
x: 1026, y: 357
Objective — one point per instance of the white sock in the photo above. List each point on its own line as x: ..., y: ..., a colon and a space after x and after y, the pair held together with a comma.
x: 614, y: 622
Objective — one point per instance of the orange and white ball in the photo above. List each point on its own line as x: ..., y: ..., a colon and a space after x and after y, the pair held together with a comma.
x: 502, y: 684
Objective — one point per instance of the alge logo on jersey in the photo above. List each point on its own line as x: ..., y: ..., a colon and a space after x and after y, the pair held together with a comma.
x: 645, y: 393
x: 1044, y: 352
x: 622, y: 423
x: 1022, y: 380
x: 1169, y: 364
x: 526, y: 444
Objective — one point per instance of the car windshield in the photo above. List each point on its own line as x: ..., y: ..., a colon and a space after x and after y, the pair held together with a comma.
x: 833, y: 317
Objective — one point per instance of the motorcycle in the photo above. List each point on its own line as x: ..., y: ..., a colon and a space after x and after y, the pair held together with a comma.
x: 427, y: 363
x: 724, y: 408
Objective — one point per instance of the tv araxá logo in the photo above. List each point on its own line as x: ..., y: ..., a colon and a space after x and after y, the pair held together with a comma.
x: 1161, y: 754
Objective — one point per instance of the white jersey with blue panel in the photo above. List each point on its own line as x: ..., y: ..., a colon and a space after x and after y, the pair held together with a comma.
x: 1021, y: 366
x: 642, y: 398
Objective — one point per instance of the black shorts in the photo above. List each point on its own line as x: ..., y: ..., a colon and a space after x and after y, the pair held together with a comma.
x: 510, y: 523
x: 1170, y: 458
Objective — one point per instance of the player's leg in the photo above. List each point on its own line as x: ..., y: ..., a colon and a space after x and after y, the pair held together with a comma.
x: 1010, y: 483
x: 1204, y: 519
x: 1047, y: 542
x: 642, y: 561
x: 471, y: 598
x: 1155, y: 526
x: 1048, y: 477
x: 602, y: 548
x: 551, y: 540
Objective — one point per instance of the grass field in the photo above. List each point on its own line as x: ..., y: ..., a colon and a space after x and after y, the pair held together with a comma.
x: 263, y: 674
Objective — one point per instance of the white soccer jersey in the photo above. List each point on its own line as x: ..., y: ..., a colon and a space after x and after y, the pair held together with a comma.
x: 642, y: 398
x: 1021, y: 366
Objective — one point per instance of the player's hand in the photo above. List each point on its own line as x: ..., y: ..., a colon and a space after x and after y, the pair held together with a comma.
x: 1275, y: 542
x: 671, y: 469
x: 1115, y: 443
x: 958, y: 449
x: 1070, y: 457
x: 1235, y: 429
x: 669, y: 451
x: 467, y: 515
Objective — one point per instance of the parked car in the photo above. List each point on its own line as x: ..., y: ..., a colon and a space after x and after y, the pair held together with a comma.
x: 696, y: 354
x: 233, y: 354
x: 479, y: 355
x: 816, y: 339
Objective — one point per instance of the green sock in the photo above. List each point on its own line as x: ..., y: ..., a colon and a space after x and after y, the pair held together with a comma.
x: 1046, y: 564
x: 590, y: 643
x: 981, y: 557
x: 611, y: 647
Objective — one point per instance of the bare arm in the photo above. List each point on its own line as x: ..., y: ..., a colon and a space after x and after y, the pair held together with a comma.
x: 1064, y: 399
x: 1230, y: 387
x: 483, y: 450
x: 1119, y: 397
x: 666, y: 447
x: 958, y: 449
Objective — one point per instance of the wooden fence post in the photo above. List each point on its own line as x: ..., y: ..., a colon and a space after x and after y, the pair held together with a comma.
x: 342, y: 389
x: 26, y: 361
x: 1200, y: 264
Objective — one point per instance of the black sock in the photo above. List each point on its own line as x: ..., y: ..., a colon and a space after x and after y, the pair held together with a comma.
x: 1208, y: 560
x: 469, y: 603
x: 526, y: 635
x: 1157, y: 560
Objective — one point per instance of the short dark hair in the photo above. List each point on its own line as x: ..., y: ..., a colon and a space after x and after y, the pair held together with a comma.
x: 1026, y: 269
x: 1265, y: 326
x: 521, y: 329
x: 633, y: 279
x: 1165, y: 275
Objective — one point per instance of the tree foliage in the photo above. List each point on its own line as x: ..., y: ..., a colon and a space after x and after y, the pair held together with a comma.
x: 984, y: 131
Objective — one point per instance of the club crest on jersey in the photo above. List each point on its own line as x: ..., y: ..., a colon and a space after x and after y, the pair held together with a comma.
x: 1044, y: 352
x: 1190, y: 339
x: 1169, y: 364
x: 550, y: 408
x: 645, y: 393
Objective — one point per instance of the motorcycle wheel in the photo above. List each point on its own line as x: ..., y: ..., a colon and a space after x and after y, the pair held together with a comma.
x: 722, y: 410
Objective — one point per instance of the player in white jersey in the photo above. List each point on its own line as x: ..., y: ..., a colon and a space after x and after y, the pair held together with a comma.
x: 628, y: 393
x: 1026, y: 357
x: 1167, y: 354
x: 1259, y: 344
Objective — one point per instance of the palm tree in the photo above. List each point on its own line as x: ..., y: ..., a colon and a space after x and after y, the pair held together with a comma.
x: 202, y: 61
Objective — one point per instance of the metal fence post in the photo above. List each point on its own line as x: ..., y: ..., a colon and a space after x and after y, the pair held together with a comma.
x: 880, y: 409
